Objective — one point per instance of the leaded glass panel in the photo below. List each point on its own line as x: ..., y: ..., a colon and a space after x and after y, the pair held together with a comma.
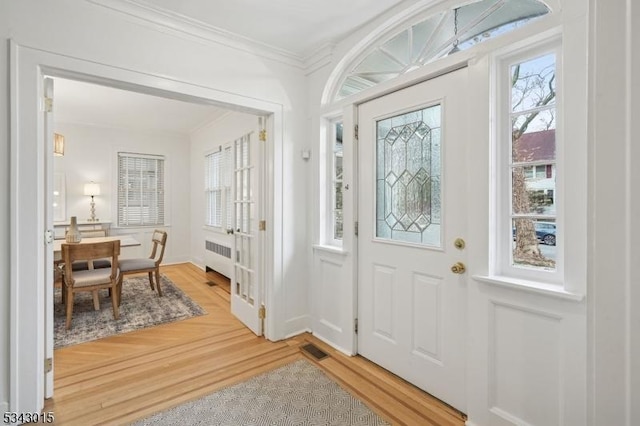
x: 408, y: 177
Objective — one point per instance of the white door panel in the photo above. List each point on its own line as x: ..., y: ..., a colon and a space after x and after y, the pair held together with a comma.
x: 412, y: 185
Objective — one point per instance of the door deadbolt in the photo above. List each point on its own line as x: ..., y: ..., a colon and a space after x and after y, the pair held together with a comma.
x: 459, y: 243
x: 458, y: 268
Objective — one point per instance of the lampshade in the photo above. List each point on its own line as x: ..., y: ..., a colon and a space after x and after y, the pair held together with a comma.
x: 91, y: 188
x: 58, y: 144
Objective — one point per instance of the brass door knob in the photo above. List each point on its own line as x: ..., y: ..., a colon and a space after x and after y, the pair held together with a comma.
x: 458, y: 268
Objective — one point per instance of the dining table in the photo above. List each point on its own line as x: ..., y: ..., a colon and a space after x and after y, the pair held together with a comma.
x: 125, y: 241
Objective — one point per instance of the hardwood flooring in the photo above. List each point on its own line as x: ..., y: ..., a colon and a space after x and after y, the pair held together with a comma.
x: 122, y: 378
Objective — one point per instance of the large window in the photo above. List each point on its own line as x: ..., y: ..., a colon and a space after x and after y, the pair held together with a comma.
x: 140, y: 189
x: 217, y: 187
x: 529, y: 167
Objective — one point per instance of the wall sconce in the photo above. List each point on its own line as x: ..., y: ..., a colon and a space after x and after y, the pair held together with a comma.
x: 58, y: 144
x: 92, y: 189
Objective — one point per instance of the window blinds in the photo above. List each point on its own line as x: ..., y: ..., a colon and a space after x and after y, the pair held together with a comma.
x: 140, y: 189
x: 213, y: 189
x: 218, y: 171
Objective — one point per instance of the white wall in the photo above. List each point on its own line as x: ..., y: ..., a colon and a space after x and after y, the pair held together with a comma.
x: 91, y: 155
x: 95, y: 34
x: 614, y: 249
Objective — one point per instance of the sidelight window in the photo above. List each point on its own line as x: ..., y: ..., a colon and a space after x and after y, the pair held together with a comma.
x: 528, y: 146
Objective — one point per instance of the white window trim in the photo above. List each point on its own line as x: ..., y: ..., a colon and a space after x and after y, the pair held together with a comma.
x: 500, y: 241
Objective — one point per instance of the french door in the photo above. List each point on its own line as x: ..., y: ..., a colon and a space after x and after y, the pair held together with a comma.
x: 246, y: 285
x: 412, y: 220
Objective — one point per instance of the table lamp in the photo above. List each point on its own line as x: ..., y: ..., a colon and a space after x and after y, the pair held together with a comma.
x: 92, y: 189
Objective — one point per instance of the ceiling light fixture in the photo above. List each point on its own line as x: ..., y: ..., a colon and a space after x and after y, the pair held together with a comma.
x: 455, y: 32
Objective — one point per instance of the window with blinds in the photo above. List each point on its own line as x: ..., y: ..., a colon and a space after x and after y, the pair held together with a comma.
x: 140, y: 189
x: 213, y: 188
x: 218, y: 168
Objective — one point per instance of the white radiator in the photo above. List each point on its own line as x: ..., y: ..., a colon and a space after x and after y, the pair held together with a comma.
x: 217, y: 257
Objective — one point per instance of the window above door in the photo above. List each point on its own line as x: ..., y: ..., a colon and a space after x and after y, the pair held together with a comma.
x: 439, y: 35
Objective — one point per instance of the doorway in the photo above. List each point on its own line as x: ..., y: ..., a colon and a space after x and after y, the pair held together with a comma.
x: 28, y: 206
x: 412, y: 220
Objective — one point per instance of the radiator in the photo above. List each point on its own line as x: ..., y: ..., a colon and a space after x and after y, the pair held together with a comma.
x: 217, y: 257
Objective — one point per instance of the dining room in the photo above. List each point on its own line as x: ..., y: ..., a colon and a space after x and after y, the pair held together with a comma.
x: 123, y: 169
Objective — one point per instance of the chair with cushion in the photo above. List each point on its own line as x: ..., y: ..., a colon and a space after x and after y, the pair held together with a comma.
x: 91, y: 279
x: 151, y: 265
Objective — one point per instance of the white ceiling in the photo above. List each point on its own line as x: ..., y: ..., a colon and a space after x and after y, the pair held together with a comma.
x: 86, y: 103
x: 297, y: 26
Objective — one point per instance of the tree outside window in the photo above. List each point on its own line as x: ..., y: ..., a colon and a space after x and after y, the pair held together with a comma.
x: 533, y: 162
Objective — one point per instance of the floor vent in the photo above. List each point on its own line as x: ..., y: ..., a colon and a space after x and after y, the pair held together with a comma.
x: 315, y: 351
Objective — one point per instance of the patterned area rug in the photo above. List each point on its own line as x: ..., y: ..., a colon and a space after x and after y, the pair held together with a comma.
x: 296, y: 394
x: 140, y: 308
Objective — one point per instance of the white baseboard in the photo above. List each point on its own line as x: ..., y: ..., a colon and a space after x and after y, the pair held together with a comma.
x: 333, y: 345
x: 297, y: 325
x: 470, y: 423
x: 197, y: 264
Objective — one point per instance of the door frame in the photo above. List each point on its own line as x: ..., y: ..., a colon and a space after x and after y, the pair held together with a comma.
x: 27, y: 320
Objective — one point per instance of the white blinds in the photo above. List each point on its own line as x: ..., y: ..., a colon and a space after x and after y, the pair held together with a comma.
x: 140, y: 189
x: 217, y: 187
x: 213, y: 189
x: 228, y: 173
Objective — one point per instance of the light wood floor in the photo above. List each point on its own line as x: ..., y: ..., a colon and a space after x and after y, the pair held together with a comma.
x: 126, y: 377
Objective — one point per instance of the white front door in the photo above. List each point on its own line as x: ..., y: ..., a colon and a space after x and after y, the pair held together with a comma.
x: 246, y: 285
x: 412, y: 207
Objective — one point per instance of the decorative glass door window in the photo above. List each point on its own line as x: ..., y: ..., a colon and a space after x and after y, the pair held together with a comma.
x: 408, y: 177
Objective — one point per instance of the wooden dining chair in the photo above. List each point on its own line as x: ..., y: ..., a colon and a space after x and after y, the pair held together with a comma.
x: 151, y: 265
x: 91, y: 279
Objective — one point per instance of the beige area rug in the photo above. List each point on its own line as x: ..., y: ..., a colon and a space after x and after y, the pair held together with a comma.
x: 297, y: 394
x: 140, y: 308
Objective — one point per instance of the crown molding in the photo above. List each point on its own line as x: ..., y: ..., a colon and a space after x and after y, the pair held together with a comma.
x: 320, y: 58
x: 182, y: 25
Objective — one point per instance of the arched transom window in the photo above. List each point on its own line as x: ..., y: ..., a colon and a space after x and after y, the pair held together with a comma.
x: 437, y: 36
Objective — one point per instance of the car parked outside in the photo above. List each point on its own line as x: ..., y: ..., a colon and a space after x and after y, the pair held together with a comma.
x: 546, y: 232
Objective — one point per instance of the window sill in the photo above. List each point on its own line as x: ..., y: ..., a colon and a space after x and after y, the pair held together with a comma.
x: 550, y: 290
x: 330, y: 249
x: 216, y: 229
